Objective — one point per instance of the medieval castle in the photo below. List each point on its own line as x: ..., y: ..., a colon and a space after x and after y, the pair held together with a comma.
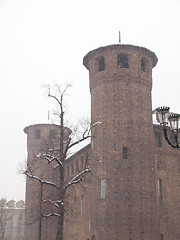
x: 132, y: 191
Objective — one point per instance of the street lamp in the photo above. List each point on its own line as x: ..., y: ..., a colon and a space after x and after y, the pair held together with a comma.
x: 165, y: 118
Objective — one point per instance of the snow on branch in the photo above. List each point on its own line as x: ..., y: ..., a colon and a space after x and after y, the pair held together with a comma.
x: 55, y: 203
x: 85, y: 135
x: 52, y: 215
x: 30, y: 175
x: 50, y: 158
x: 77, y: 178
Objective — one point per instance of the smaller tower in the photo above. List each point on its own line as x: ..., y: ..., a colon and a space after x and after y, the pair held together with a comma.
x: 39, y: 138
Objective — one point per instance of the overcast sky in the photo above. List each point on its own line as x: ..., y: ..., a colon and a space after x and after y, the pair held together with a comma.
x: 44, y: 41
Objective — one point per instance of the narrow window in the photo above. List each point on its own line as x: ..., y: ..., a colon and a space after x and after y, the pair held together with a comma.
x: 101, y: 64
x: 72, y: 168
x: 93, y: 142
x: 37, y: 133
x: 159, y: 190
x: 102, y: 185
x: 77, y: 166
x: 123, y: 61
x: 53, y: 134
x: 82, y: 163
x: 125, y: 153
x: 75, y: 204
x: 87, y: 157
x: 158, y: 139
x: 55, y: 175
x: 162, y: 237
x: 143, y: 65
x: 82, y: 205
x: 68, y: 171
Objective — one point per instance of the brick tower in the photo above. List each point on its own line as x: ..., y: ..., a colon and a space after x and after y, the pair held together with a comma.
x: 122, y: 156
x: 40, y: 137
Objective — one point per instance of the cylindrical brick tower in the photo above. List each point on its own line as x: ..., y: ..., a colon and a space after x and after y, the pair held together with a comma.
x: 123, y: 199
x: 40, y: 138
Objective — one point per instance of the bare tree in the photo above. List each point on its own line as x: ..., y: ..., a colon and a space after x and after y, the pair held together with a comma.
x: 56, y: 156
x: 3, y: 218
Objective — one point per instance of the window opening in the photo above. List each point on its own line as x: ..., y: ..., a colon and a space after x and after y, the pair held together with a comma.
x: 82, y: 163
x: 72, y: 168
x: 77, y: 166
x: 101, y: 64
x: 125, y: 153
x: 162, y: 237
x: 143, y: 65
x: 94, y: 142
x: 75, y: 204
x: 53, y: 134
x: 37, y: 134
x: 68, y: 171
x: 87, y: 157
x: 123, y: 61
x: 102, y: 184
x: 160, y: 190
x: 82, y: 205
x: 158, y: 139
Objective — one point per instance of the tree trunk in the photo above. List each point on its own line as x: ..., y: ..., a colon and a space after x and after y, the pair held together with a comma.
x: 60, y: 226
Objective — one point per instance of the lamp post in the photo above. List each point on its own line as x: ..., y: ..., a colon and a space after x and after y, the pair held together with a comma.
x: 165, y: 118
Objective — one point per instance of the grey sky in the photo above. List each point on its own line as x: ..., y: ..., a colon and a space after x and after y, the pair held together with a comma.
x: 44, y: 41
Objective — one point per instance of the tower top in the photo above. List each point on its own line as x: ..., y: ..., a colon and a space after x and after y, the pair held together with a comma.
x: 151, y: 54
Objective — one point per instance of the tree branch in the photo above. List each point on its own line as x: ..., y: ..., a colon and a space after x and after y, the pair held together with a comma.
x: 52, y: 215
x: 50, y: 158
x: 55, y: 203
x: 30, y: 175
x: 77, y: 178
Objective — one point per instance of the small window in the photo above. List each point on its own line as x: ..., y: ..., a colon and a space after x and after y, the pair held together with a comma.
x: 72, y: 168
x: 159, y: 183
x: 93, y: 142
x: 87, y: 158
x: 102, y: 186
x: 55, y: 175
x: 77, y: 165
x: 123, y: 61
x: 75, y: 204
x: 101, y: 64
x: 68, y: 171
x: 162, y: 237
x: 158, y: 139
x: 143, y: 65
x: 82, y: 205
x: 53, y: 134
x: 179, y: 164
x: 125, y: 153
x: 37, y: 134
x: 82, y: 162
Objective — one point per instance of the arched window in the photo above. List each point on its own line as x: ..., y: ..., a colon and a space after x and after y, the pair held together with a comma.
x: 125, y: 153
